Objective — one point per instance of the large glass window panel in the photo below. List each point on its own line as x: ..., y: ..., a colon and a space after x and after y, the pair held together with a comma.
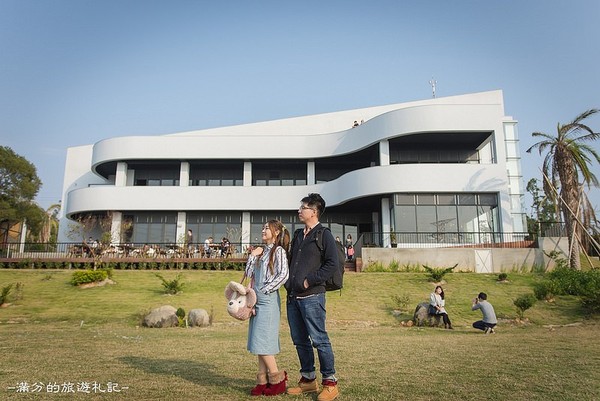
x: 467, y: 219
x: 406, y: 219
x: 447, y: 219
x: 426, y: 219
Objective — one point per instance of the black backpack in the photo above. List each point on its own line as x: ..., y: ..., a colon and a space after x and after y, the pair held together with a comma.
x: 336, y: 282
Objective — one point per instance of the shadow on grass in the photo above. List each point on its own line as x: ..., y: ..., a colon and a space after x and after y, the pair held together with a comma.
x: 198, y: 373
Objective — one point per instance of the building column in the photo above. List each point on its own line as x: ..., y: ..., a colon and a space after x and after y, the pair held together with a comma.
x: 184, y: 174
x: 311, y: 179
x: 121, y: 175
x: 115, y: 227
x: 515, y: 179
x: 386, y: 224
x: 245, y: 230
x: 180, y: 234
x: 247, y: 174
x: 384, y: 152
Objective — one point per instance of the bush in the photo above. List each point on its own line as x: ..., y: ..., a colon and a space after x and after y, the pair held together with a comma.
x: 523, y: 303
x: 436, y: 274
x: 5, y: 293
x: 544, y: 290
x: 502, y: 277
x: 400, y: 302
x: 181, y: 317
x: 90, y: 276
x: 172, y: 287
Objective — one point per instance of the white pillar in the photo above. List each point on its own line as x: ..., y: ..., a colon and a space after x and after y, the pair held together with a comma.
x: 245, y: 229
x: 247, y: 174
x: 23, y: 236
x: 181, y: 228
x: 384, y: 152
x: 121, y: 174
x: 115, y: 227
x: 184, y: 175
x: 311, y: 179
x: 386, y: 224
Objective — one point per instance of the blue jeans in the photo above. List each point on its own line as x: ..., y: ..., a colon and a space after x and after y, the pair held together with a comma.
x: 481, y: 325
x: 306, y: 317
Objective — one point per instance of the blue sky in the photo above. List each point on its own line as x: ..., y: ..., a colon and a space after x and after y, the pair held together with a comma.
x: 78, y: 71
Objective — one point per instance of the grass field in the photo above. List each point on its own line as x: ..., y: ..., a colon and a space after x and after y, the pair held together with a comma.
x: 63, y: 336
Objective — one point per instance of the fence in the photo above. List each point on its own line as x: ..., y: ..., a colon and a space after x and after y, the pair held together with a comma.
x: 70, y: 250
x: 448, y: 239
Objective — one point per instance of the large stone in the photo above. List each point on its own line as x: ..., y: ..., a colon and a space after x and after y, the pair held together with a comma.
x: 162, y: 317
x: 198, y: 317
x: 422, y: 317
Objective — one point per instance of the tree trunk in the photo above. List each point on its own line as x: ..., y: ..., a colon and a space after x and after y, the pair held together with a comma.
x: 570, y: 196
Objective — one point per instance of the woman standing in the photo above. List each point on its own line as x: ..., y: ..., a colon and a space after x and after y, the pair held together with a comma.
x: 437, y: 305
x: 268, y: 269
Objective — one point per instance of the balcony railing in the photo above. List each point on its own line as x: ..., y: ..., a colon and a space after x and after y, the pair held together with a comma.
x: 70, y: 250
x: 448, y: 239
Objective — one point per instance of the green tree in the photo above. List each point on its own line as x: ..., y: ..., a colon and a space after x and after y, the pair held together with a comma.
x: 543, y: 208
x: 567, y: 161
x: 19, y: 184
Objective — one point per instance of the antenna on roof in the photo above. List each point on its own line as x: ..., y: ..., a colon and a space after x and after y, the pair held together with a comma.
x: 432, y: 82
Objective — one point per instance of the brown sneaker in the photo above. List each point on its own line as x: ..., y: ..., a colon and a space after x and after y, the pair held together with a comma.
x: 304, y: 386
x: 330, y: 391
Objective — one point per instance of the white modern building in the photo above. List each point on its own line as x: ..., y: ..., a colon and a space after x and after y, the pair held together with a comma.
x: 445, y: 170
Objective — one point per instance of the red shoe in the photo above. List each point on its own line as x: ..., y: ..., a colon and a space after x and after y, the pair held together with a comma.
x: 261, y: 384
x: 277, y: 383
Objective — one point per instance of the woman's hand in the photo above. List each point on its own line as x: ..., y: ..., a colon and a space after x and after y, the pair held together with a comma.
x: 257, y: 251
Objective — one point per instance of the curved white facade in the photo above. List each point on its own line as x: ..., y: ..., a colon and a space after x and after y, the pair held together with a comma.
x: 455, y: 145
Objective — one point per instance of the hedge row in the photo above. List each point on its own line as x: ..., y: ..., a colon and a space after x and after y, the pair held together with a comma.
x: 41, y: 264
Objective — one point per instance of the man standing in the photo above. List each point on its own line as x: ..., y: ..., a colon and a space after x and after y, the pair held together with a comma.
x: 309, y: 269
x: 489, y: 320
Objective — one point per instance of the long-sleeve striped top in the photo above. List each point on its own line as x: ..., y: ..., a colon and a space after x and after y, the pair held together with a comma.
x: 272, y: 281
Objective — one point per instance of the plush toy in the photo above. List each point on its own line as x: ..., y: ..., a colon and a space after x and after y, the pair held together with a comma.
x: 241, y: 300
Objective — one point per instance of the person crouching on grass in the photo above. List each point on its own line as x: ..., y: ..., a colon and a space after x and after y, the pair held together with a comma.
x: 489, y: 320
x: 268, y: 270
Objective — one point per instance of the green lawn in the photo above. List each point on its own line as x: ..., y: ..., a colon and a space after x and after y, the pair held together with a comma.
x: 60, y: 334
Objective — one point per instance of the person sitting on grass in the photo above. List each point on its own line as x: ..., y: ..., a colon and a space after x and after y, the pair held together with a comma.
x: 489, y: 321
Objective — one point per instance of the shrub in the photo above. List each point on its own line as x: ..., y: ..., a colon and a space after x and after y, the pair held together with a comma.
x: 89, y: 276
x: 5, y: 293
x: 523, y: 303
x: 400, y: 302
x: 436, y: 274
x: 568, y: 281
x: 502, y: 277
x: 172, y: 287
x: 181, y: 317
x: 544, y: 290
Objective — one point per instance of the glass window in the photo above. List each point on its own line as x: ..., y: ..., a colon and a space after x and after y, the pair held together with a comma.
x: 405, y: 199
x: 444, y: 199
x: 426, y: 219
x: 426, y: 199
x: 488, y: 199
x: 406, y: 219
x: 447, y: 219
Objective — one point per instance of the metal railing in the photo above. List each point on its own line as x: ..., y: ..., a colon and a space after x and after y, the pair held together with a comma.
x: 62, y: 250
x: 448, y: 239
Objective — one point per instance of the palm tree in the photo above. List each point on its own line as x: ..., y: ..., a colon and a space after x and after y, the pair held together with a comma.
x: 50, y: 224
x: 567, y: 161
